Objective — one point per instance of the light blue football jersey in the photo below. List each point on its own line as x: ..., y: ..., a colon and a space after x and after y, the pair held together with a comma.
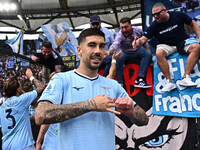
x: 15, y: 122
x: 90, y: 131
x: 51, y: 138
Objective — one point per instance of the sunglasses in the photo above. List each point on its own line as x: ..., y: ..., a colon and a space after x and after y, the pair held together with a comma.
x: 95, y: 23
x: 158, y: 13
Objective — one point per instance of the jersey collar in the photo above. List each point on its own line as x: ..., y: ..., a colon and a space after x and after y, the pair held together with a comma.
x: 84, y: 76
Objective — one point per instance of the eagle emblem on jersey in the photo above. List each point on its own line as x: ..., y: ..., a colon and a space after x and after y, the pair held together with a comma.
x: 106, y: 90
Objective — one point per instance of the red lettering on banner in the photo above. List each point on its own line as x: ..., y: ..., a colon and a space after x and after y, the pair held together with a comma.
x: 101, y: 72
x: 149, y: 80
x: 129, y: 79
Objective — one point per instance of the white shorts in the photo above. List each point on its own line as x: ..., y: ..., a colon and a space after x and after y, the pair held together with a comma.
x: 170, y: 49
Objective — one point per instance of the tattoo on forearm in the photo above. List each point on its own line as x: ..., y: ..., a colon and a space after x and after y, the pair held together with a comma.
x: 39, y: 86
x: 140, y: 117
x: 52, y: 113
x: 140, y: 42
x: 92, y: 103
x: 44, y: 129
x: 111, y: 50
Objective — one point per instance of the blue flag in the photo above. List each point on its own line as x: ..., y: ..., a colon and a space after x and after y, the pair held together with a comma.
x: 62, y: 38
x: 17, y: 42
x: 181, y: 102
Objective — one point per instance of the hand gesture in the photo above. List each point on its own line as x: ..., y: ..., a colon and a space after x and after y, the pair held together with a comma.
x: 116, y: 56
x: 103, y: 103
x: 124, y: 105
x: 134, y: 45
x: 29, y: 73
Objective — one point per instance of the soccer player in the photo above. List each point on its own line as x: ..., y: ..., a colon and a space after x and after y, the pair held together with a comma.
x: 83, y: 102
x: 14, y: 114
x: 49, y: 133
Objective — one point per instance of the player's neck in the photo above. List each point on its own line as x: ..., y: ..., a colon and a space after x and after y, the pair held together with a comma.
x: 87, y: 72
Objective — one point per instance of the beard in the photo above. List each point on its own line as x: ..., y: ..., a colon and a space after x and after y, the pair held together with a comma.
x: 91, y: 66
x: 126, y: 34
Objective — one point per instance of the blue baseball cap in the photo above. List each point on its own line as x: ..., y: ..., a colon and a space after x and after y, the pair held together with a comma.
x: 95, y: 18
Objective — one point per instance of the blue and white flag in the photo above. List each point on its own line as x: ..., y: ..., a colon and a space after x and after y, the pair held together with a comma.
x: 181, y: 102
x: 17, y: 42
x: 38, y: 42
x: 62, y: 38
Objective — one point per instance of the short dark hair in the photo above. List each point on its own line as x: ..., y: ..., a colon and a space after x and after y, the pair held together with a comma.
x: 89, y: 32
x: 47, y: 44
x: 27, y: 87
x: 125, y: 19
x: 10, y: 87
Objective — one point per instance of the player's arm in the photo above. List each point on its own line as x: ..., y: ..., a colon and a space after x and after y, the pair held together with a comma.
x: 40, y: 138
x: 139, y: 116
x: 48, y: 113
x: 38, y: 84
x: 135, y: 113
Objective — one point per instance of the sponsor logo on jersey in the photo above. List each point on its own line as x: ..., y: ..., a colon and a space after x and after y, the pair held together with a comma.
x: 78, y: 88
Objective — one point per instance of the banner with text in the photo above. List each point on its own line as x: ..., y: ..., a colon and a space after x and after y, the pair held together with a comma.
x: 161, y: 132
x: 69, y: 61
x: 181, y: 102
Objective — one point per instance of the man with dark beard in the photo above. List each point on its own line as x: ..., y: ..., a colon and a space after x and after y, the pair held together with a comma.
x: 124, y: 40
x: 48, y: 57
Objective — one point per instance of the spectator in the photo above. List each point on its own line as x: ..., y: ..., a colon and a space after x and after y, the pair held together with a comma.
x: 76, y: 98
x: 168, y: 28
x: 124, y: 41
x: 95, y: 22
x: 49, y: 58
x: 14, y: 115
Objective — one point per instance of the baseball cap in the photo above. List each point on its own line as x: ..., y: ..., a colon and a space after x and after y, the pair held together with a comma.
x: 95, y: 18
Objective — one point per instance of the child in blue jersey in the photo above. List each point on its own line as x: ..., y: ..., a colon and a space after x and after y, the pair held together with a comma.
x: 14, y: 114
x: 83, y: 102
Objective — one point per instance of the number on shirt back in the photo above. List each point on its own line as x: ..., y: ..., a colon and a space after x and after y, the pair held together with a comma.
x: 9, y: 111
